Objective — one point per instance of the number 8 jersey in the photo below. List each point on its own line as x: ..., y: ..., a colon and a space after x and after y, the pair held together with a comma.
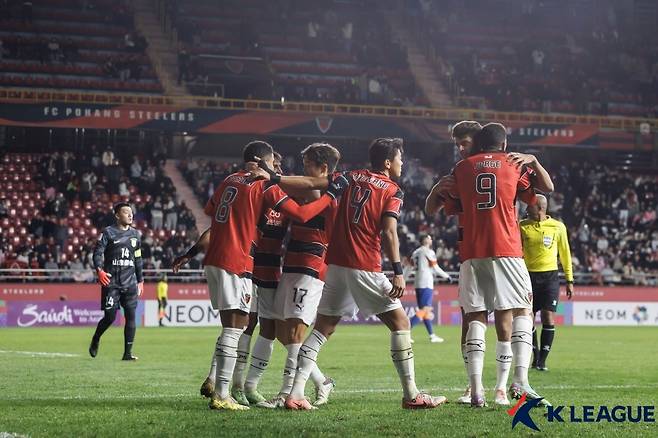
x: 356, y: 238
x: 488, y: 186
x: 235, y: 209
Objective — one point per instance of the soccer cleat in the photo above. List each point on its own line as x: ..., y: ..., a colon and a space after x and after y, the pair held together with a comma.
x: 322, y: 392
x: 93, y: 348
x: 299, y: 405
x: 129, y: 357
x: 466, y: 398
x: 228, y: 404
x: 412, y: 341
x: 500, y: 398
x: 434, y: 339
x: 541, y: 367
x: 254, y: 397
x: 478, y: 401
x: 276, y: 402
x: 239, y: 396
x: 517, y: 390
x: 207, y: 388
x: 424, y: 401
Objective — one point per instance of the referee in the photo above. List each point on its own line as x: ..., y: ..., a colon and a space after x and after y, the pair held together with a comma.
x: 544, y: 238
x: 118, y: 262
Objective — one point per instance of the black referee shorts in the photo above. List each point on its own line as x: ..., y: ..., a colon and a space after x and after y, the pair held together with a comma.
x: 113, y: 296
x: 545, y: 290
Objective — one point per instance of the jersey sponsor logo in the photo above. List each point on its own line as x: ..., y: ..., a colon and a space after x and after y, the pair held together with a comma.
x: 122, y: 262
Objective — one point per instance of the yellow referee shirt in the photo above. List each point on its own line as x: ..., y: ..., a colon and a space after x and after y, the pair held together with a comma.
x: 542, y: 242
x: 162, y: 289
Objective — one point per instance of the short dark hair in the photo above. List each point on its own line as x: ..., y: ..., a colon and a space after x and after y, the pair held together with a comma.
x: 117, y: 207
x: 382, y: 149
x: 491, y: 137
x: 465, y: 128
x: 258, y: 148
x: 322, y: 153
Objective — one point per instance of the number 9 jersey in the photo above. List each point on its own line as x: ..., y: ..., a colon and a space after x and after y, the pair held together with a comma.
x: 356, y: 237
x: 488, y: 186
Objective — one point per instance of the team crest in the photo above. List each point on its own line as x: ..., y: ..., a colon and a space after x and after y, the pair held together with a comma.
x: 247, y: 298
x: 133, y: 242
x: 548, y: 241
x: 324, y: 123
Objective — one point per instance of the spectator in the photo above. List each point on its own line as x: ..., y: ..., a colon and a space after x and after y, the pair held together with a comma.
x: 156, y: 214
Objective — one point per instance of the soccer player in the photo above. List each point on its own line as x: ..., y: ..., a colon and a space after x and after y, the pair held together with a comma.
x: 267, y: 271
x: 272, y: 228
x: 162, y: 298
x: 118, y: 263
x: 487, y: 183
x: 544, y: 239
x: 425, y: 266
x: 367, y: 214
x: 462, y: 135
x: 236, y: 206
x: 304, y: 270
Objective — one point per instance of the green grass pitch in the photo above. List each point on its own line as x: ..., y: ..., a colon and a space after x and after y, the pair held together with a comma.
x: 74, y: 395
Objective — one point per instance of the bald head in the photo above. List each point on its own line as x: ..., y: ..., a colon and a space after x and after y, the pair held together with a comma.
x: 542, y: 203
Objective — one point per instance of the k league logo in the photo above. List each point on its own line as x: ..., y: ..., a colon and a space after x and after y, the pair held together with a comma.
x: 580, y: 414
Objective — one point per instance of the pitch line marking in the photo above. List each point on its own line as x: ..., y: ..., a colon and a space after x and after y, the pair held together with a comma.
x: 39, y: 353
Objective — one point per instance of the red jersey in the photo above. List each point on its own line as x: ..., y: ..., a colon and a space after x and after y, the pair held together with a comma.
x: 488, y: 186
x: 308, y: 243
x: 356, y: 237
x: 236, y: 207
x: 272, y: 228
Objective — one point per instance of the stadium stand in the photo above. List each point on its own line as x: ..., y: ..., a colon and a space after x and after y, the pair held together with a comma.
x: 610, y: 215
x: 68, y: 44
x: 576, y: 57
x: 298, y: 50
x: 53, y: 206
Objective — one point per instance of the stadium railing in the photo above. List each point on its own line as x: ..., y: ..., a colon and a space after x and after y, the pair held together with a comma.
x: 34, y: 95
x: 197, y: 275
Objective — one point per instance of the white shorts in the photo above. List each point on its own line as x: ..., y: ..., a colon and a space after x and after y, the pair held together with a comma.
x: 254, y: 298
x: 494, y: 283
x: 347, y: 291
x: 228, y: 291
x: 298, y: 296
x: 267, y: 304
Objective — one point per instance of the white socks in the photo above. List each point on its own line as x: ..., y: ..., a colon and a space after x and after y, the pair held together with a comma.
x: 403, y: 359
x: 317, y: 377
x: 241, y: 362
x: 260, y: 358
x: 503, y: 363
x: 213, y: 367
x: 465, y: 359
x: 226, y: 352
x: 475, y: 346
x: 521, y: 348
x: 290, y: 369
x: 306, y: 361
